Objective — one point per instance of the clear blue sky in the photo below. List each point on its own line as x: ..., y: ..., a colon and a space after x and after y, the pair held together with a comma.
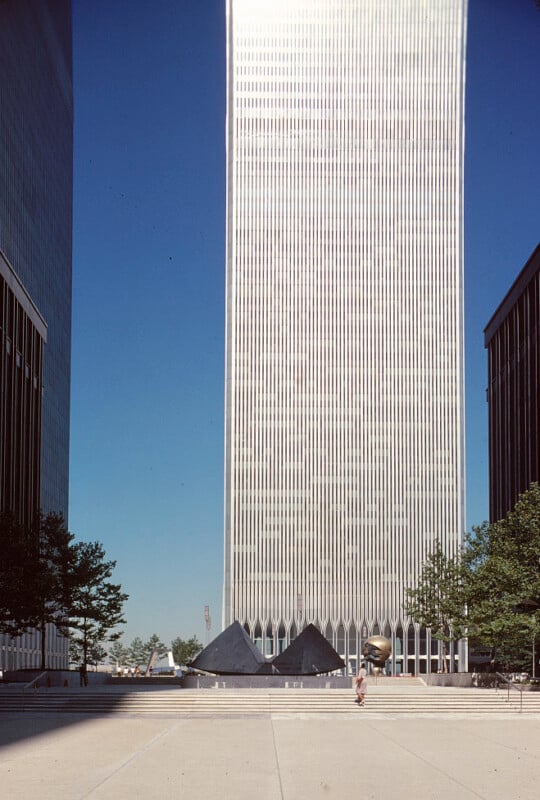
x: 149, y: 268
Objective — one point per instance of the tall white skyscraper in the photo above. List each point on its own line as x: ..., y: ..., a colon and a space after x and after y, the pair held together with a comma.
x: 344, y: 454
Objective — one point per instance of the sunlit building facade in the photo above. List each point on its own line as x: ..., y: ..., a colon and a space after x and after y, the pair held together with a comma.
x: 36, y: 177
x: 344, y: 458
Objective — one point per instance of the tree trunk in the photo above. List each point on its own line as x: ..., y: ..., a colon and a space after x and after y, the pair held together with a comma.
x: 444, y: 661
x: 43, y: 645
x: 85, y: 645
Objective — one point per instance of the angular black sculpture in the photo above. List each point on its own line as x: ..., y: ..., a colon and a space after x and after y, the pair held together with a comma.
x: 309, y: 654
x: 267, y: 669
x: 230, y: 653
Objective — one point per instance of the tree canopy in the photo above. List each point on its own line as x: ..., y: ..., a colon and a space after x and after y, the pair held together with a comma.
x: 438, y: 602
x: 95, y: 603
x: 501, y: 568
x: 119, y: 654
x: 17, y: 611
x: 139, y: 651
x: 34, y: 582
x: 47, y: 578
x: 185, y: 650
x: 491, y: 592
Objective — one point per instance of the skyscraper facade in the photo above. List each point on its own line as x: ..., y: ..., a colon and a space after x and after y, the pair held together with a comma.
x: 36, y: 177
x: 36, y: 180
x: 344, y: 315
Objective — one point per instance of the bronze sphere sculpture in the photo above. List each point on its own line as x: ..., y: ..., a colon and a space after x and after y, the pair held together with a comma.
x: 377, y: 650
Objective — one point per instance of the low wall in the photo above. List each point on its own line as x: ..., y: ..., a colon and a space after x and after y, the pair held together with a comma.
x: 166, y: 682
x: 462, y: 680
x: 53, y: 678
x: 266, y: 682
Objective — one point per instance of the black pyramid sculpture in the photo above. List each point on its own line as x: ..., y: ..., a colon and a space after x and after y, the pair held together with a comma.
x: 267, y: 669
x: 230, y: 653
x: 309, y: 654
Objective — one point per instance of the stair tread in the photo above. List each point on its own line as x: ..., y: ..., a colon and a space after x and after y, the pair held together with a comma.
x: 389, y: 699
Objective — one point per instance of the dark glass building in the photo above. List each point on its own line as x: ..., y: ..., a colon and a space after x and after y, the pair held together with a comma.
x: 512, y: 338
x: 36, y: 177
x: 23, y: 333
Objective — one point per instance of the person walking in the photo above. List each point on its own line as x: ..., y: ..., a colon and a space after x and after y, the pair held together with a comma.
x: 361, y: 685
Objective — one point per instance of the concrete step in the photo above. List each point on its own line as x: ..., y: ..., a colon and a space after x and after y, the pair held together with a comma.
x: 396, y: 682
x: 225, y: 702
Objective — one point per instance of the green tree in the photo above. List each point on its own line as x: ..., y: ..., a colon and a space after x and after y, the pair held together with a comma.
x: 34, y: 584
x: 95, y: 603
x: 17, y: 610
x: 137, y: 651
x: 119, y: 654
x: 502, y: 580
x: 46, y: 578
x: 438, y: 601
x: 185, y: 650
x: 96, y: 653
x: 51, y: 561
x: 140, y: 651
x: 487, y: 580
x: 154, y: 643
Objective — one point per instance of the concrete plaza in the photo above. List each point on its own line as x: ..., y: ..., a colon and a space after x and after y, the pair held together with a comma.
x: 360, y: 755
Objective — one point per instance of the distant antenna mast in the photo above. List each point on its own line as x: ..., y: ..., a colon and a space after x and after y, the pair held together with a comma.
x: 208, y: 623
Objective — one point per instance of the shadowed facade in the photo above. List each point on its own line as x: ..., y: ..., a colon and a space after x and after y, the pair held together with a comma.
x: 512, y: 339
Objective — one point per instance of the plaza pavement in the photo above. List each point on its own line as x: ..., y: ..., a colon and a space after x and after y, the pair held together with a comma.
x: 360, y: 755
